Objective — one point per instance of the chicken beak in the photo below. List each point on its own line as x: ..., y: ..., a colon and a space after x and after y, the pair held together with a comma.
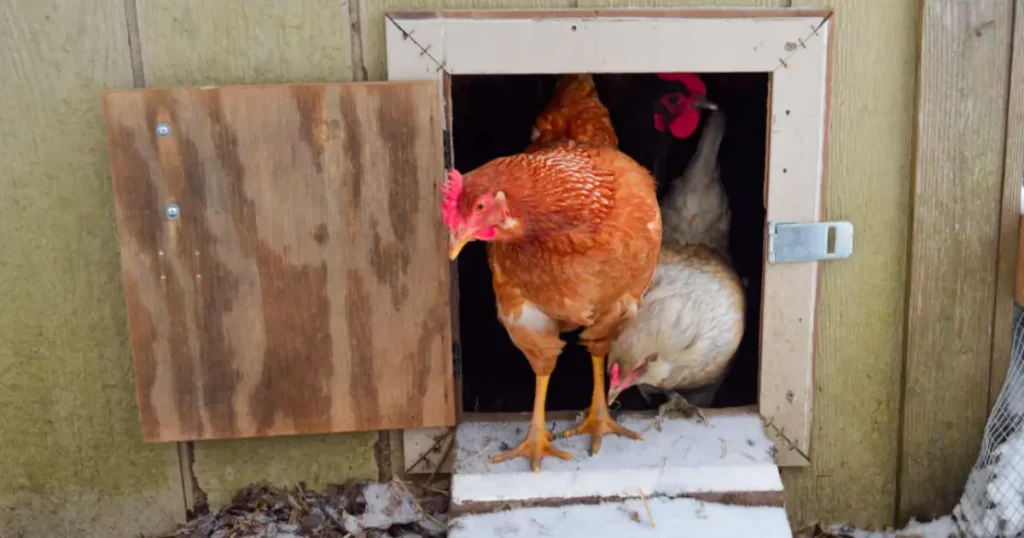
x: 702, y: 102
x: 613, y: 394
x: 455, y: 245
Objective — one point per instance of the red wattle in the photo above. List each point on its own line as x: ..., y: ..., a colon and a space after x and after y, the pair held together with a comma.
x: 685, y: 124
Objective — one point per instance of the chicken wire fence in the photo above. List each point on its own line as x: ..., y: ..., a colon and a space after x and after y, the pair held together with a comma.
x: 992, y: 505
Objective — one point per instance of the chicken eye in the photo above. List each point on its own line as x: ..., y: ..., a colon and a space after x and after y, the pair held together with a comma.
x: 480, y: 206
x: 673, y: 99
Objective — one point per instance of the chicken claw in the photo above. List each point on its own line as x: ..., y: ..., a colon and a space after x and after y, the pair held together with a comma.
x: 597, y: 423
x: 598, y: 420
x: 538, y: 438
x: 677, y: 404
x: 533, y: 448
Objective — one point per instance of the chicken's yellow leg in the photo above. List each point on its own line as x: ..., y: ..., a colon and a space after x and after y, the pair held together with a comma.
x: 598, y: 421
x: 538, y: 439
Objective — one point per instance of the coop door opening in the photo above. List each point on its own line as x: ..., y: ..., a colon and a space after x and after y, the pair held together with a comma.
x: 492, y: 116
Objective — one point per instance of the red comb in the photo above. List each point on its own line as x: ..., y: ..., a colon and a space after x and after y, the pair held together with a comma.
x: 452, y: 190
x: 691, y: 81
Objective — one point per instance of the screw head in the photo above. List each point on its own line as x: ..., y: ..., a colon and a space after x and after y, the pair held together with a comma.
x: 172, y: 211
x: 162, y: 129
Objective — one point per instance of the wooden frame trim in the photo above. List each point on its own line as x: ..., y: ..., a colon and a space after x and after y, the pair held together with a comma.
x: 631, y: 13
x: 793, y: 45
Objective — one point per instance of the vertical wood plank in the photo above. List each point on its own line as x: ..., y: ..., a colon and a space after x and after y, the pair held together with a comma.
x: 258, y: 310
x: 198, y: 42
x: 1002, y: 371
x: 958, y: 184
x: 72, y: 461
x: 1009, y: 277
x: 852, y: 476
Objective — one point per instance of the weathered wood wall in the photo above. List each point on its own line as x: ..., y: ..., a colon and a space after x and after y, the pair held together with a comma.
x: 72, y: 459
x: 860, y: 332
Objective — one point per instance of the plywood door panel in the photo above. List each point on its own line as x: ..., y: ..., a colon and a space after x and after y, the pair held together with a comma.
x: 304, y: 286
x: 958, y: 185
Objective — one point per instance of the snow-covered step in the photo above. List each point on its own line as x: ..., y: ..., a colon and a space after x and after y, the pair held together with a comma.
x: 725, y: 469
x: 672, y: 518
x: 730, y: 457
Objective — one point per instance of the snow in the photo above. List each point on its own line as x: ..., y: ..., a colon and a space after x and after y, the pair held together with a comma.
x: 940, y: 528
x: 387, y: 505
x: 731, y: 453
x: 672, y: 517
x: 993, y: 503
x: 728, y: 439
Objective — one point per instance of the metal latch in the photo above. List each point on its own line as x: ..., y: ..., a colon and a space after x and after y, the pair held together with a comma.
x: 795, y: 242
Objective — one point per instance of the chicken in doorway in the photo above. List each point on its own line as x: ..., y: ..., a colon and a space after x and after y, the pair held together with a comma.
x: 691, y: 320
x: 573, y: 232
x: 656, y: 116
x: 696, y: 208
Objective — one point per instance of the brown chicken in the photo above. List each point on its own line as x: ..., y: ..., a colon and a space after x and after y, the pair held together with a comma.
x: 573, y: 231
x: 692, y: 319
x: 575, y: 114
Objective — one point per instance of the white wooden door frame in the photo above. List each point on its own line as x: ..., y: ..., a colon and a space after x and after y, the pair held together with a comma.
x: 792, y: 44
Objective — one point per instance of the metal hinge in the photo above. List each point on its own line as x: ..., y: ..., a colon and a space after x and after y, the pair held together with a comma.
x: 457, y: 360
x: 447, y: 137
x: 795, y: 242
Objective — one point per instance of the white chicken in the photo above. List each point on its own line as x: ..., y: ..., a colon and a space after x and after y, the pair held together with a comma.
x: 696, y: 209
x: 691, y: 320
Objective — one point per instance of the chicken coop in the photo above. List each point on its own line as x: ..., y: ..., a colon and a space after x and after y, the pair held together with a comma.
x: 273, y: 178
x: 776, y: 361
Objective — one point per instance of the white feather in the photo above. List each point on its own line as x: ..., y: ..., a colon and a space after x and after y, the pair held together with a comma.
x: 689, y: 319
x: 531, y: 318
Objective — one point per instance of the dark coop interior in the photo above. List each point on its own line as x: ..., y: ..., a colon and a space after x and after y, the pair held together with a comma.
x: 493, y: 116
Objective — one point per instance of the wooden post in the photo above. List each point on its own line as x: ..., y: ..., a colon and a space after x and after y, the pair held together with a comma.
x: 1013, y: 174
x: 955, y: 247
x: 1019, y: 288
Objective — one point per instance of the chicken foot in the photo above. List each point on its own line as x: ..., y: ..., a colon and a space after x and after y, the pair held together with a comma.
x: 677, y: 404
x: 538, y: 439
x: 598, y: 420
